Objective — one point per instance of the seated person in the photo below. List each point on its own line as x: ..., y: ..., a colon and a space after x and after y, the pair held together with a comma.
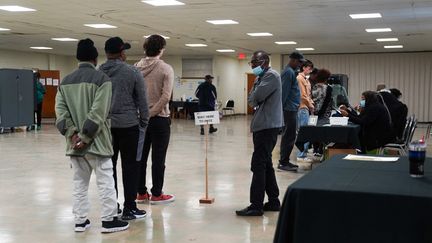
x: 398, y: 112
x: 374, y: 119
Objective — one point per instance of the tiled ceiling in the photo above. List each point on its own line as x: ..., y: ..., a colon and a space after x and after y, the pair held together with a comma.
x: 321, y: 24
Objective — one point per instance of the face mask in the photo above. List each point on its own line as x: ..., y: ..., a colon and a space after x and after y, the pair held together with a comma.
x: 362, y: 103
x: 257, y: 71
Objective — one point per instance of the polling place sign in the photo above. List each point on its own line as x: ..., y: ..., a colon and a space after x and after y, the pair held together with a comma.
x: 207, y: 117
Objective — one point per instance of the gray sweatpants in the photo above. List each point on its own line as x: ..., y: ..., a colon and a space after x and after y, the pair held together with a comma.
x: 103, y: 167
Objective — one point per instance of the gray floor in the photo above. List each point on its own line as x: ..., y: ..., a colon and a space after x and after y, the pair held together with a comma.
x: 35, y: 178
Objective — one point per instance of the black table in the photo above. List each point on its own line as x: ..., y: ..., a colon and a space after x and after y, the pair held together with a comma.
x: 345, y: 201
x: 331, y: 134
x: 189, y: 107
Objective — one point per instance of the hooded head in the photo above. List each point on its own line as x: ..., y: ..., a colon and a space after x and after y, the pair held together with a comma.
x: 86, y: 51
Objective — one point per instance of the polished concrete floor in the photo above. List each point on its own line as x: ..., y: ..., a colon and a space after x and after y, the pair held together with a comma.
x: 36, y: 184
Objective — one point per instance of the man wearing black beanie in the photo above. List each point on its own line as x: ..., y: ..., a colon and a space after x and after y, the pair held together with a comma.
x: 82, y: 105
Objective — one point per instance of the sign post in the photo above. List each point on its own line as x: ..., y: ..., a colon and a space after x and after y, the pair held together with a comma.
x: 205, y: 119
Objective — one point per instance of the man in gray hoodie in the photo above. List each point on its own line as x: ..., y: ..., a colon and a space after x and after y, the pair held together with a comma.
x: 129, y: 116
x: 266, y: 99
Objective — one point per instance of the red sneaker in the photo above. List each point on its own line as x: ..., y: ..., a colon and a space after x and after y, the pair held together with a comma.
x: 162, y: 199
x: 142, y: 198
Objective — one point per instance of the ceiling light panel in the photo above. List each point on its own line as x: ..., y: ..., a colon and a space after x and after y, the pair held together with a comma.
x: 14, y: 8
x: 101, y: 26
x: 222, y: 21
x: 393, y: 47
x: 387, y: 39
x: 64, y: 39
x: 41, y: 48
x: 260, y: 34
x: 196, y: 45
x: 4, y: 29
x: 305, y: 49
x: 159, y: 3
x: 366, y: 16
x: 165, y: 37
x: 225, y: 50
x: 286, y: 42
x: 377, y: 30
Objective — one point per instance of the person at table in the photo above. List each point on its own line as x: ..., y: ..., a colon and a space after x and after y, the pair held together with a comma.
x: 322, y: 98
x: 265, y: 98
x: 291, y: 103
x: 398, y: 112
x: 306, y: 104
x: 374, y: 119
x: 207, y: 95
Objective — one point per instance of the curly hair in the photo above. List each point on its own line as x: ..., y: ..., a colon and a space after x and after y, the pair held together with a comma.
x: 153, y: 45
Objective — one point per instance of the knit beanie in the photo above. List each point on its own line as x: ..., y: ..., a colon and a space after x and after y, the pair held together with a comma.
x: 86, y: 50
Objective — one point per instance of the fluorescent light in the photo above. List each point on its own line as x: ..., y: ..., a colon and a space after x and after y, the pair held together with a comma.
x: 260, y: 34
x: 4, y: 29
x: 393, y: 47
x: 101, y: 26
x: 225, y: 50
x: 378, y: 30
x: 286, y: 42
x: 165, y: 37
x: 222, y: 21
x: 196, y: 45
x: 305, y: 49
x: 64, y: 39
x: 387, y: 39
x: 14, y: 8
x: 163, y: 2
x: 41, y: 48
x: 366, y: 16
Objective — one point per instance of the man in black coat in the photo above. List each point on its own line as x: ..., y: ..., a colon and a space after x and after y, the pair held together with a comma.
x: 206, y: 93
x: 398, y: 112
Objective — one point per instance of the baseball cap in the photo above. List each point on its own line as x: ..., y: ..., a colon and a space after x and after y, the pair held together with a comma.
x: 116, y: 45
x: 208, y: 76
x: 297, y: 55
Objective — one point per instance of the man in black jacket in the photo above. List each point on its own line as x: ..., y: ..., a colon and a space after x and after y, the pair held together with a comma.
x: 206, y: 93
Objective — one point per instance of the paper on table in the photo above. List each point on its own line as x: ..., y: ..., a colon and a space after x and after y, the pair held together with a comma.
x: 371, y: 158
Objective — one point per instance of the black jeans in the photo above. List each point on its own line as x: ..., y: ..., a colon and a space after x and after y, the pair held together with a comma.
x: 288, y: 136
x: 38, y: 112
x: 125, y: 141
x: 157, y: 138
x: 264, y: 178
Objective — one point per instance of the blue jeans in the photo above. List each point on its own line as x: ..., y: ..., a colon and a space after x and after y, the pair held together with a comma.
x: 302, y: 120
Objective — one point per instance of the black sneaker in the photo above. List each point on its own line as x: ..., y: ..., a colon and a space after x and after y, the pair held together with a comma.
x: 272, y: 206
x: 248, y: 211
x: 129, y: 214
x: 114, y: 226
x: 212, y: 130
x: 288, y: 167
x: 82, y: 227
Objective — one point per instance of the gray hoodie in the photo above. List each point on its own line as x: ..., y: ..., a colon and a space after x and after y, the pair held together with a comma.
x: 266, y: 98
x: 129, y: 99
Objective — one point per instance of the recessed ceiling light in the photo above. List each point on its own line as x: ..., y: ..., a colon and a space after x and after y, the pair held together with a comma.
x: 101, y: 26
x: 64, y: 39
x: 222, y: 21
x: 165, y: 37
x: 196, y: 45
x: 4, y: 29
x: 163, y: 2
x: 305, y: 49
x: 366, y: 16
x: 225, y: 50
x: 41, y: 48
x: 378, y: 30
x: 260, y: 34
x: 14, y: 8
x: 393, y: 47
x: 387, y: 39
x: 286, y: 42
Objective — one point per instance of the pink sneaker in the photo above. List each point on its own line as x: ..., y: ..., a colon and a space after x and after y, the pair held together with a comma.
x: 143, y: 198
x: 162, y: 199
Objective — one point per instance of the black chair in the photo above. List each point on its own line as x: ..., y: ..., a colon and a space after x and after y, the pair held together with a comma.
x: 229, y: 106
x: 402, y: 147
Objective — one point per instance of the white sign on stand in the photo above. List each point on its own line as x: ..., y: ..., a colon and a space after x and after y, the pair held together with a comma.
x: 207, y: 117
